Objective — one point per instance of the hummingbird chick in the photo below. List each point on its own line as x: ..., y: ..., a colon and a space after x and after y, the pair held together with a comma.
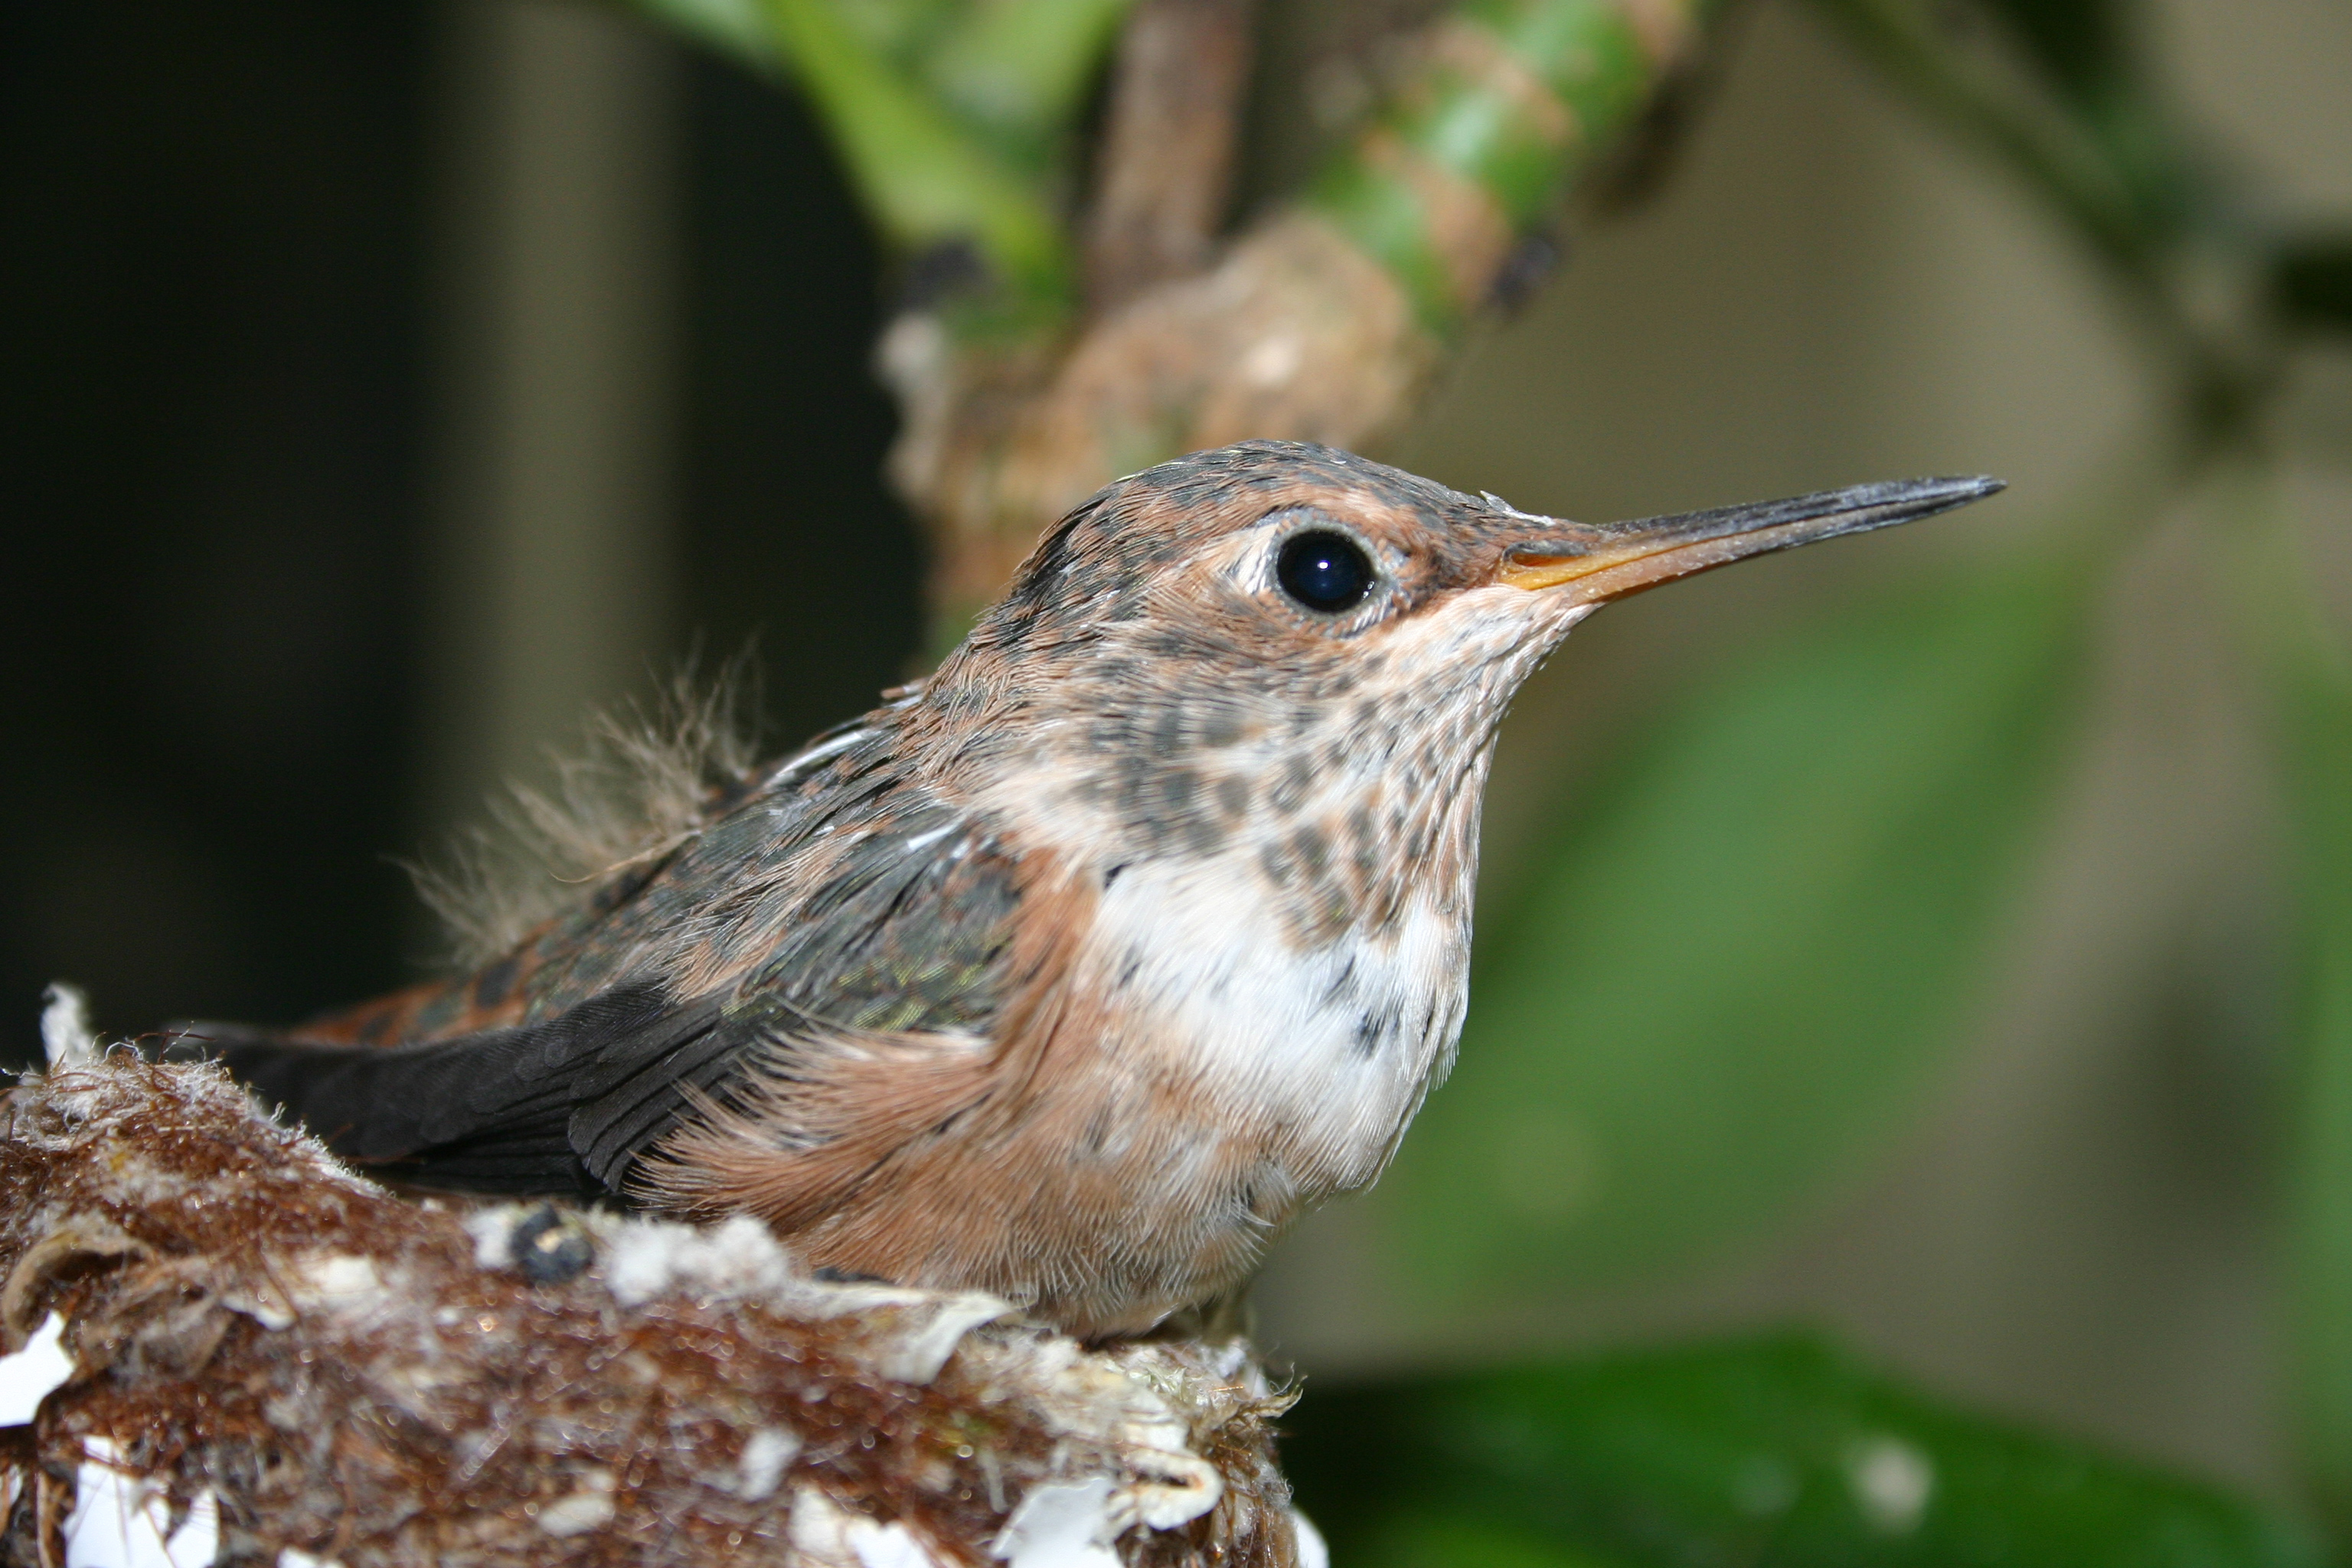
x: 1077, y: 970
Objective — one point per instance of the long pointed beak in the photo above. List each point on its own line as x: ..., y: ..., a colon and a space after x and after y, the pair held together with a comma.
x: 1613, y: 560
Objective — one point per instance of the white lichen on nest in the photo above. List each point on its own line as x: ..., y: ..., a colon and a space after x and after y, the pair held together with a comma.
x: 313, y: 1368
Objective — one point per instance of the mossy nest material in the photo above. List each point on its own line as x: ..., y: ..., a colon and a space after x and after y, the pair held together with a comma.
x: 255, y: 1356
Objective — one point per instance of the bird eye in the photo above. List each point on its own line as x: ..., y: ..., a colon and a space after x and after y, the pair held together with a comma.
x: 1324, y: 570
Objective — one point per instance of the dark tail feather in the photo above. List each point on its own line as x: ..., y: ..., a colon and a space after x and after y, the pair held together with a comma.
x: 487, y: 1112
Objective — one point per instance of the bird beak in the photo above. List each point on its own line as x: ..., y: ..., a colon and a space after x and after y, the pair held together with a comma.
x: 1613, y: 560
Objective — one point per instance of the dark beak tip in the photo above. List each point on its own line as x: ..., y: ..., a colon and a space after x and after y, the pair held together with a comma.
x: 1930, y: 496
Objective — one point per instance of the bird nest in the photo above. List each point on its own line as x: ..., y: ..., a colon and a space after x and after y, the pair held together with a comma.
x: 219, y: 1345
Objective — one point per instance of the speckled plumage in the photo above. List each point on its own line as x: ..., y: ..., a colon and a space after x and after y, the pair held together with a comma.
x: 1073, y: 973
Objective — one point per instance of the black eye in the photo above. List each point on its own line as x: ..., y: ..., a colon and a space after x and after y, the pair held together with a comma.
x: 1323, y: 571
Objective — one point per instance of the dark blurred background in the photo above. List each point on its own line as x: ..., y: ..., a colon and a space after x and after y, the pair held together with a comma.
x: 253, y: 258
x: 388, y: 384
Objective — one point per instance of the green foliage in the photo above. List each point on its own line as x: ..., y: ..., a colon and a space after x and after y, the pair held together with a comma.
x: 1769, y: 1452
x: 946, y: 115
x: 928, y: 179
x: 958, y: 119
x: 1442, y: 1537
x: 1019, y: 69
x: 2082, y: 45
x: 736, y: 29
x: 2086, y: 52
x: 2060, y: 144
x: 2311, y: 281
x: 1747, y: 944
x: 2103, y: 150
x: 2309, y: 684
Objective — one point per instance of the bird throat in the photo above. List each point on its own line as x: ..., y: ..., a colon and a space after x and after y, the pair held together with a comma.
x: 1282, y: 862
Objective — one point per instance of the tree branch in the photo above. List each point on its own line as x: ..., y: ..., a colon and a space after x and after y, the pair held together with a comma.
x: 1164, y: 167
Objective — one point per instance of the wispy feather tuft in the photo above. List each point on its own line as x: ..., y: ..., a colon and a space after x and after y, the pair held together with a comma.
x: 644, y: 781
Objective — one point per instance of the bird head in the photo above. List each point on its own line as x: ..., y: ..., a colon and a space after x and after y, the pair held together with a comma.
x: 1281, y: 643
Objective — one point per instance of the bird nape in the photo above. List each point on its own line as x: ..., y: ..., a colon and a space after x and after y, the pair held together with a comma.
x: 1075, y: 970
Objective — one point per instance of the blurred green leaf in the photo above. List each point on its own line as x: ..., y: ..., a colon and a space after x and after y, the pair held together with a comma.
x: 736, y: 28
x: 740, y: 28
x: 1021, y: 67
x: 2086, y: 51
x: 1774, y: 1451
x: 1747, y: 945
x: 928, y: 179
x: 2310, y: 690
x: 2097, y: 145
x: 2311, y: 281
x: 1442, y: 1539
x: 2080, y: 45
